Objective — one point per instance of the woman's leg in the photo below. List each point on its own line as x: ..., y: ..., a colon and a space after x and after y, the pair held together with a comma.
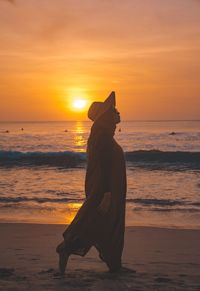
x: 63, y: 259
x: 63, y: 256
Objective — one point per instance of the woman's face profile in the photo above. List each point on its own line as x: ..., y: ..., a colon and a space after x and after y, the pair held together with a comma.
x: 116, y: 115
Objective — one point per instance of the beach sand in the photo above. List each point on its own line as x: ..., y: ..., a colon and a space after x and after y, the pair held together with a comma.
x: 164, y: 259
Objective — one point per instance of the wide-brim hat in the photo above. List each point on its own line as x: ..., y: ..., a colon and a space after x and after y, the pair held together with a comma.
x: 98, y: 108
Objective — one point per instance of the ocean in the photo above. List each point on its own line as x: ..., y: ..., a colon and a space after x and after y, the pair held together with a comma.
x: 42, y: 171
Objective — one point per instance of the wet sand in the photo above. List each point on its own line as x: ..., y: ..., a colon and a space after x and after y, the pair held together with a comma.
x: 164, y: 259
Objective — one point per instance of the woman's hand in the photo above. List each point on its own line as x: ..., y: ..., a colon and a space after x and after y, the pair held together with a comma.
x: 105, y: 203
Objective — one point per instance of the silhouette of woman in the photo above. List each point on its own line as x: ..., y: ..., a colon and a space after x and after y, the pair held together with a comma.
x: 100, y: 221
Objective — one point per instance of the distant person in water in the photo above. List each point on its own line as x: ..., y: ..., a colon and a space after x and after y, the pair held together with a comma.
x: 100, y: 222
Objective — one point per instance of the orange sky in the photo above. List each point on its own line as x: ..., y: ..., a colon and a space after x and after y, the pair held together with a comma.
x: 148, y: 51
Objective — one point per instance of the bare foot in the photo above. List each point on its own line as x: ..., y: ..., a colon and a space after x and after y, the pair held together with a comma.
x: 115, y: 269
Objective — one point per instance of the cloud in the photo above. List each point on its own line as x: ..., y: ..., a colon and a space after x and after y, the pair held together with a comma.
x: 11, y: 1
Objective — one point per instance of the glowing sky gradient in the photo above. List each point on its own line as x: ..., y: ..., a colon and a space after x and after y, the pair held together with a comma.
x: 51, y: 51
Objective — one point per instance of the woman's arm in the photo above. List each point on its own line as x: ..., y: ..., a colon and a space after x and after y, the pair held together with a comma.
x: 105, y: 148
x: 105, y: 157
x: 104, y: 206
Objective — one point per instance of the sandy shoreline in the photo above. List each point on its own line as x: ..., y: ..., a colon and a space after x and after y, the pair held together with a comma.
x: 164, y: 259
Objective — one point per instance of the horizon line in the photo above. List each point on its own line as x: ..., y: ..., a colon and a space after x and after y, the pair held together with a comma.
x: 134, y: 120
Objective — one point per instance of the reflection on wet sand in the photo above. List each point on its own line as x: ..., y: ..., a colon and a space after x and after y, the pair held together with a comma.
x: 71, y: 211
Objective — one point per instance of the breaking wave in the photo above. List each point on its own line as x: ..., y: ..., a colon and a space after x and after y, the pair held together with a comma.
x: 41, y: 200
x: 140, y: 204
x: 65, y: 159
x: 69, y: 159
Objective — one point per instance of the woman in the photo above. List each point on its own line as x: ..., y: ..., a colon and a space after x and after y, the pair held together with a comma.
x: 100, y: 222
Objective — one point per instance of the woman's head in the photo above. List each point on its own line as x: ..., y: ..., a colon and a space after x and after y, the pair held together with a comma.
x: 116, y: 115
x: 100, y: 110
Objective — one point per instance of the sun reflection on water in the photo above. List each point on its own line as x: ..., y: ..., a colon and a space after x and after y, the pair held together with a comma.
x: 79, y: 128
x: 80, y: 138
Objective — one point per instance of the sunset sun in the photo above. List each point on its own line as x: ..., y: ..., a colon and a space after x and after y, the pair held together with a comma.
x: 79, y: 104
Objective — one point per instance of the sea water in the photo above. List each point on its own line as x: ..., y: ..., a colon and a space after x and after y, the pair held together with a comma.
x: 43, y: 164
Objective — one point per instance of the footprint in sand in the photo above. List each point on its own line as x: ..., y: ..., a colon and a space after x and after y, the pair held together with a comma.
x: 6, y: 272
x: 48, y: 271
x: 162, y: 280
x: 182, y: 275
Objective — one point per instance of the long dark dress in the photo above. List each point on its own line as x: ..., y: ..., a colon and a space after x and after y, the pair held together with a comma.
x: 106, y: 172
